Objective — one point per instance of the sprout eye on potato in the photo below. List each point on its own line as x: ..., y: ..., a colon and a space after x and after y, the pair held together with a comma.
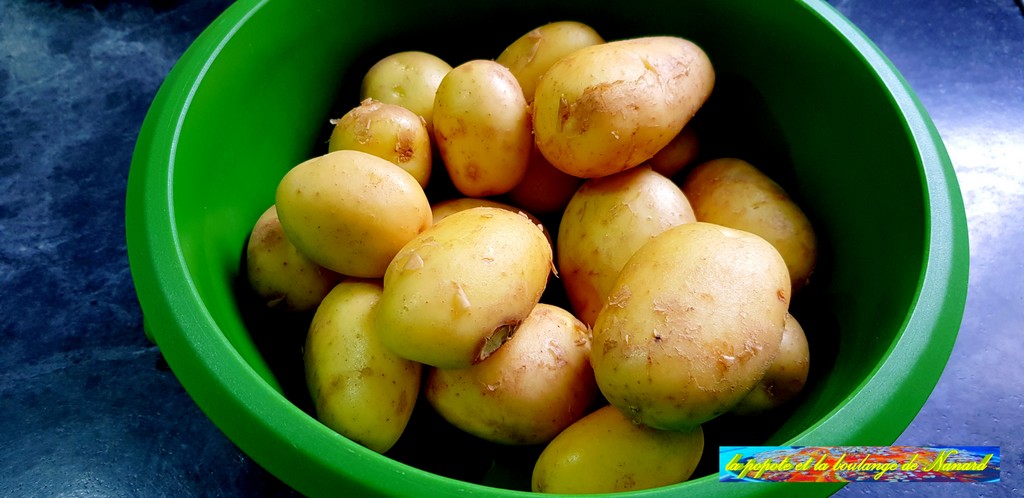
x: 669, y: 303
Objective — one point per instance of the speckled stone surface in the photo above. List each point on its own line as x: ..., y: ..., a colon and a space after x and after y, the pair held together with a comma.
x: 87, y: 406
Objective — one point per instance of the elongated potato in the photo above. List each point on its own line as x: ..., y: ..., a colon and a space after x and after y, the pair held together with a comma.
x: 456, y: 292
x: 350, y: 211
x: 530, y: 389
x: 532, y: 54
x: 606, y: 221
x: 359, y: 388
x: 607, y: 452
x: 606, y: 108
x: 482, y: 128
x: 694, y: 321
x: 785, y: 378
x: 387, y: 131
x: 281, y: 275
x: 732, y: 192
x: 409, y: 79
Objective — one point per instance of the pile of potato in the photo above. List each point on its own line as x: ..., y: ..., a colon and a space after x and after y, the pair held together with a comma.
x: 678, y: 294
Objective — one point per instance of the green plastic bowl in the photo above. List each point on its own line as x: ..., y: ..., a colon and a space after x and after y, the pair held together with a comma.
x: 801, y: 93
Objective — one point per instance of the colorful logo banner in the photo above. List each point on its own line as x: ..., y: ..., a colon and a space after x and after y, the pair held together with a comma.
x: 859, y: 464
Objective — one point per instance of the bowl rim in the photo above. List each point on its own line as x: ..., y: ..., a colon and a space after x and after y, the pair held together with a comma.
x: 274, y: 432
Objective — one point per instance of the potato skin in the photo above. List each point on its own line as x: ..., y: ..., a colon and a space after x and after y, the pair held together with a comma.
x: 454, y: 293
x: 448, y: 207
x: 606, y: 108
x: 732, y: 192
x: 482, y: 128
x: 544, y: 188
x: 350, y: 211
x: 359, y: 388
x: 532, y: 54
x: 387, y: 131
x: 692, y: 324
x: 605, y: 222
x: 785, y: 378
x: 534, y: 386
x: 607, y: 452
x: 409, y: 79
x: 677, y: 154
x: 278, y: 273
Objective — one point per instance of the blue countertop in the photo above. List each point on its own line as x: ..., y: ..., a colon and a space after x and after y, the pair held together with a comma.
x: 87, y: 405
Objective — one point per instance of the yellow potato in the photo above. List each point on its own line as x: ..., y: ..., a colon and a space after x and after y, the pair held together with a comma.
x: 544, y: 188
x: 408, y: 79
x: 527, y: 391
x: 448, y: 207
x: 678, y: 154
x: 387, y: 131
x: 785, y: 378
x: 532, y: 54
x: 606, y: 108
x: 606, y: 221
x: 733, y: 193
x: 692, y: 324
x: 350, y: 211
x: 359, y: 388
x: 278, y: 273
x: 457, y: 291
x: 482, y: 128
x: 606, y: 452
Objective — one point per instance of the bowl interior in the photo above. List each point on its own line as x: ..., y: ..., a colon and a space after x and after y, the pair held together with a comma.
x: 794, y: 96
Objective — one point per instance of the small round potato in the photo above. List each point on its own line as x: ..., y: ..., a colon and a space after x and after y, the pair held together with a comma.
x: 387, y: 131
x: 609, y: 107
x: 692, y: 324
x: 482, y: 128
x: 529, y: 390
x: 456, y: 292
x: 408, y: 79
x: 359, y: 388
x: 606, y: 452
x: 678, y: 154
x: 278, y: 273
x: 544, y: 188
x: 785, y: 378
x: 606, y: 221
x: 532, y: 54
x: 732, y: 192
x: 351, y: 212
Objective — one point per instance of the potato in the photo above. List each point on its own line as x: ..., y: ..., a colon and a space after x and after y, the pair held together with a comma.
x: 606, y: 452
x: 457, y: 291
x: 606, y: 221
x: 785, y: 378
x: 359, y: 388
x: 532, y: 54
x: 678, y: 154
x: 527, y: 391
x: 482, y: 128
x: 606, y: 108
x: 544, y: 188
x: 281, y: 275
x: 387, y: 131
x: 408, y: 79
x: 448, y: 207
x: 692, y: 324
x: 733, y: 193
x: 350, y: 211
